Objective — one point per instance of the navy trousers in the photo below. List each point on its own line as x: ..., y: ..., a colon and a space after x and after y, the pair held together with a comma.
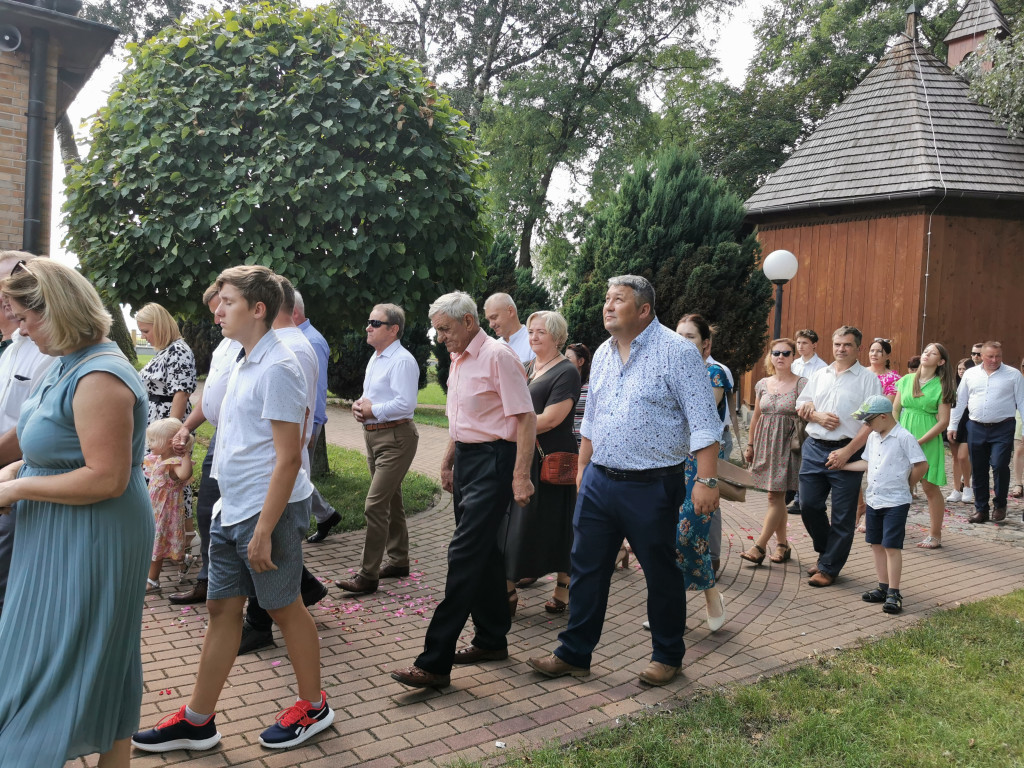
x: 647, y: 514
x: 475, y: 585
x: 990, y: 445
x: 832, y: 540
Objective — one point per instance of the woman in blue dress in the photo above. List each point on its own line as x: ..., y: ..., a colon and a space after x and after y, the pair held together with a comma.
x: 71, y: 626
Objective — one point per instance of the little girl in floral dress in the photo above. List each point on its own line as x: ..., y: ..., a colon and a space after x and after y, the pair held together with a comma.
x: 168, y: 474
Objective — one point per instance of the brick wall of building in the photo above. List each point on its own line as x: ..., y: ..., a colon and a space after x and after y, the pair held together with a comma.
x: 14, y: 67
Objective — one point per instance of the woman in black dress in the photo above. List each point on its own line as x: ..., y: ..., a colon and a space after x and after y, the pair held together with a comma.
x: 539, y: 535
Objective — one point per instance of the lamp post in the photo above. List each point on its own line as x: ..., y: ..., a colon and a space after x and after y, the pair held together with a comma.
x: 779, y: 267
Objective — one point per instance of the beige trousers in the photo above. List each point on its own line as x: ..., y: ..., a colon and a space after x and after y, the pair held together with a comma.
x: 389, y: 454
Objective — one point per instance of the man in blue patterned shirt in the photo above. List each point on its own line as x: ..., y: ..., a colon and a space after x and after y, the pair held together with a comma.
x: 650, y: 404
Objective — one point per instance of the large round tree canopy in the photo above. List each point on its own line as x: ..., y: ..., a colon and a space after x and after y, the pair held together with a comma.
x: 279, y: 136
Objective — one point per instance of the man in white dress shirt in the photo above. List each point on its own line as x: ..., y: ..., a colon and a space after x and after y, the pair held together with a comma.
x: 993, y: 391
x: 834, y: 438
x: 22, y: 366
x: 807, y: 362
x: 503, y: 317
x: 385, y: 410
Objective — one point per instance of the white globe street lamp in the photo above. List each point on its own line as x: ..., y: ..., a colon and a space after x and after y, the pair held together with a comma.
x: 779, y: 267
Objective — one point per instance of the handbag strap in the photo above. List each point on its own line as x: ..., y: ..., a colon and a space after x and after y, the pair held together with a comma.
x: 539, y: 449
x: 82, y: 362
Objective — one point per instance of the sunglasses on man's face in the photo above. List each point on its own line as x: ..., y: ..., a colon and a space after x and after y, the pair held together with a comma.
x: 782, y: 352
x: 377, y: 323
x: 975, y: 354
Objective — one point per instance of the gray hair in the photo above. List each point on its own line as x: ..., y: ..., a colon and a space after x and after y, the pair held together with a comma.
x: 642, y: 288
x: 395, y: 315
x: 501, y: 300
x: 554, y: 324
x: 299, y: 303
x: 456, y: 305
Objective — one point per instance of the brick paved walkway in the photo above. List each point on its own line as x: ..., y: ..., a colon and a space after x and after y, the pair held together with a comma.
x: 775, y: 620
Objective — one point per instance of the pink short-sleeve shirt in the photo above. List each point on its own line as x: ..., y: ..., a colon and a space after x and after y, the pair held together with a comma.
x: 487, y: 389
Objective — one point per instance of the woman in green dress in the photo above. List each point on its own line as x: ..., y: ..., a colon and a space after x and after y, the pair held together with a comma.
x: 71, y: 625
x: 923, y: 402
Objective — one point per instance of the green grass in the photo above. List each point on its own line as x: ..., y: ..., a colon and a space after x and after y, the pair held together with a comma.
x: 431, y: 417
x: 141, y: 361
x: 346, y: 485
x: 946, y: 692
x: 432, y: 394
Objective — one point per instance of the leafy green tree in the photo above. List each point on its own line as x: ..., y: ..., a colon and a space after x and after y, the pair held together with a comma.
x: 350, y: 353
x: 1001, y: 88
x: 286, y: 137
x: 682, y: 229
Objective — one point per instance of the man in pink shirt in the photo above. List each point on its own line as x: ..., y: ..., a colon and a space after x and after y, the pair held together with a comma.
x: 493, y: 427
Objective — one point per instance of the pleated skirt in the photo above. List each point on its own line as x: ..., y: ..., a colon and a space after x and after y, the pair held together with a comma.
x: 70, y: 631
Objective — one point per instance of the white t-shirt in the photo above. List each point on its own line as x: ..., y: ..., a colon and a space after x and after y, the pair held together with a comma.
x: 22, y: 366
x: 267, y: 385
x: 520, y: 343
x: 890, y: 460
x: 221, y: 363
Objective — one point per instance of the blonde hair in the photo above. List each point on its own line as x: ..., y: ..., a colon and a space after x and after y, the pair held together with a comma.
x: 769, y: 366
x: 72, y: 312
x: 555, y: 324
x: 162, y: 430
x: 165, y: 328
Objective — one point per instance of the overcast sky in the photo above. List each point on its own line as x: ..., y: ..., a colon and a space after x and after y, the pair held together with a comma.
x: 734, y: 49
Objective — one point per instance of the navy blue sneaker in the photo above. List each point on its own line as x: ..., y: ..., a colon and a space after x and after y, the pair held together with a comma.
x: 175, y: 732
x: 299, y: 722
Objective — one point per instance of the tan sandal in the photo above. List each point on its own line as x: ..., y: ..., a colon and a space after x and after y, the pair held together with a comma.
x: 754, y: 555
x: 782, y: 553
x: 554, y: 605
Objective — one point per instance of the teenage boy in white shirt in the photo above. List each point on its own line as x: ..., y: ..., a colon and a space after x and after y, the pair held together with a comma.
x: 895, y: 463
x: 258, y: 524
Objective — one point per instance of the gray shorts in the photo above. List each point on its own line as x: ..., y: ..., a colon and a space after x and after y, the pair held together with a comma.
x: 231, y: 574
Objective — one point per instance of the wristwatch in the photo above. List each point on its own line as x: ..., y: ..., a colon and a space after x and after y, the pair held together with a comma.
x: 710, y: 482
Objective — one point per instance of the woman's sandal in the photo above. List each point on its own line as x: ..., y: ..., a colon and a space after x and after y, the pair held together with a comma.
x: 513, y: 602
x: 929, y: 542
x: 782, y: 553
x: 1017, y: 491
x: 754, y: 555
x: 621, y: 559
x: 554, y: 605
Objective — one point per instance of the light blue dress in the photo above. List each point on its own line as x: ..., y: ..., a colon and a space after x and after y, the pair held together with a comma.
x: 71, y: 626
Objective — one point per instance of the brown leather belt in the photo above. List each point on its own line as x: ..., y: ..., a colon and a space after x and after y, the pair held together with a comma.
x: 385, y: 425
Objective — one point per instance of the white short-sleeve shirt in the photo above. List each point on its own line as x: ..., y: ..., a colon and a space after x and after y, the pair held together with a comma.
x: 266, y: 385
x: 890, y: 460
x: 297, y: 342
x: 22, y: 367
x: 221, y: 364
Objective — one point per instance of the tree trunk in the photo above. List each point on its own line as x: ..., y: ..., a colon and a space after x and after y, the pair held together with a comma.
x: 69, y: 157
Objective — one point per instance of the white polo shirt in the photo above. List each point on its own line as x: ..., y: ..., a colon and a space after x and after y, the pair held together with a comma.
x: 221, y: 364
x: 890, y: 460
x: 21, y: 367
x: 267, y: 385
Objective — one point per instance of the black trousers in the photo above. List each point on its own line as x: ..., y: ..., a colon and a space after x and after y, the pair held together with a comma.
x: 475, y: 586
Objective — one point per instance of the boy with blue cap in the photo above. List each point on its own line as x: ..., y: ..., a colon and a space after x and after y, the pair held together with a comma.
x: 895, y: 463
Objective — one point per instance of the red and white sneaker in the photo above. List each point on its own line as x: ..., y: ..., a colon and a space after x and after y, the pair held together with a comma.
x: 299, y: 722
x: 176, y: 732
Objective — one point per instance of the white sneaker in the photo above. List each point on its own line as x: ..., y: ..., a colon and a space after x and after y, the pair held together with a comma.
x: 647, y: 626
x: 967, y: 497
x: 954, y: 497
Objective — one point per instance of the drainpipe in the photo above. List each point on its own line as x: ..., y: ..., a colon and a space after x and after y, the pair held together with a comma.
x: 34, y: 140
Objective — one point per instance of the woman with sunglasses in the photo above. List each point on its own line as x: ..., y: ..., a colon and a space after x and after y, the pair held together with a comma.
x: 774, y: 464
x: 922, y: 406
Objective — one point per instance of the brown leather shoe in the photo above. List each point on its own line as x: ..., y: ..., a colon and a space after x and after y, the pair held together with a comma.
x: 474, y: 655
x: 998, y: 514
x: 552, y: 666
x: 394, y: 572
x: 415, y: 677
x: 659, y: 674
x: 195, y: 595
x: 979, y: 517
x: 812, y: 570
x: 358, y: 585
x: 821, y: 579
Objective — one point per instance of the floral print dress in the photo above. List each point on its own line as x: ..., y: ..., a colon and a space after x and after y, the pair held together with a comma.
x: 693, y: 551
x: 167, y: 495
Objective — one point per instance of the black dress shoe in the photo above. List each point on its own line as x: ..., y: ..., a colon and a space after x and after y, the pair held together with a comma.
x: 323, y: 530
x: 358, y: 585
x: 474, y: 655
x: 195, y: 595
x: 314, y: 594
x: 394, y: 572
x: 255, y: 639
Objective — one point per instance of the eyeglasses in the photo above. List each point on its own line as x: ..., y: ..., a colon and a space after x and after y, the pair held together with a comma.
x: 782, y: 353
x: 975, y: 354
x: 377, y: 323
x: 22, y: 265
x: 879, y: 338
x: 872, y: 417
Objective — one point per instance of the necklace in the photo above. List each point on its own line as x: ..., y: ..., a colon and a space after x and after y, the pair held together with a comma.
x: 922, y: 381
x: 543, y: 366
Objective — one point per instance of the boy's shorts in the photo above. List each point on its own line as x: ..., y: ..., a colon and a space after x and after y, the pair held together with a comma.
x: 230, y: 572
x: 887, y: 527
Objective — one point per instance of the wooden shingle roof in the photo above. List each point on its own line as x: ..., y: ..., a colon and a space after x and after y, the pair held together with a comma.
x: 978, y: 17
x: 879, y: 143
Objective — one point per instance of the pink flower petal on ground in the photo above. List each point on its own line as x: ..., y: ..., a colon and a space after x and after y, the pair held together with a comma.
x: 275, y: 663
